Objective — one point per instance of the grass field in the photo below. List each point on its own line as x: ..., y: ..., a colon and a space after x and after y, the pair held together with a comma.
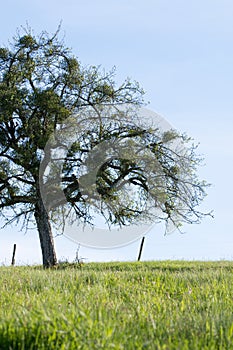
x: 147, y: 305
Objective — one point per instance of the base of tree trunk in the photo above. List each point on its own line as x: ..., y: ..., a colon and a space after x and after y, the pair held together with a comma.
x: 45, y: 235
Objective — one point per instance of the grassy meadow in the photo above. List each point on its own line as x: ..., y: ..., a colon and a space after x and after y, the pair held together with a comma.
x: 145, y: 305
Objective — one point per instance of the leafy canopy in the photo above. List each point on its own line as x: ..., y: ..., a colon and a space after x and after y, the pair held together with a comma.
x: 47, y: 98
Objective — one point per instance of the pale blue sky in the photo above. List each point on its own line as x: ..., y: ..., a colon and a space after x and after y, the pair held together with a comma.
x: 182, y: 54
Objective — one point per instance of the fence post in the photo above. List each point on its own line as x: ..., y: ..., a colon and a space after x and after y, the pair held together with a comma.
x: 13, y: 256
x: 141, y: 246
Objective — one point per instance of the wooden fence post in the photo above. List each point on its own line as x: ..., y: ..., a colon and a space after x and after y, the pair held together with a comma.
x: 13, y: 256
x: 141, y: 246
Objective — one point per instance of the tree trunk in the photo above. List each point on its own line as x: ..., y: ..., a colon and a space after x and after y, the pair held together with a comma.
x: 45, y: 234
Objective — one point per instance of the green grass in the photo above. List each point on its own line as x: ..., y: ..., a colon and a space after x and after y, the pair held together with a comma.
x: 147, y: 305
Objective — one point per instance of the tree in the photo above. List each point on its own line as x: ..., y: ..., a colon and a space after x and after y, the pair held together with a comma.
x: 44, y: 92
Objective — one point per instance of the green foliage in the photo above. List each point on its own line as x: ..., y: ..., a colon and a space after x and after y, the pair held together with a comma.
x: 27, y: 41
x: 148, y: 305
x: 41, y: 85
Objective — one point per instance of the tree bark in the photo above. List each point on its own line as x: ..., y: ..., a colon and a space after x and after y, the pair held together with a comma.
x: 45, y: 235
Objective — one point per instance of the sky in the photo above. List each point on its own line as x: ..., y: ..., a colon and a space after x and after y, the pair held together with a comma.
x: 181, y: 52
